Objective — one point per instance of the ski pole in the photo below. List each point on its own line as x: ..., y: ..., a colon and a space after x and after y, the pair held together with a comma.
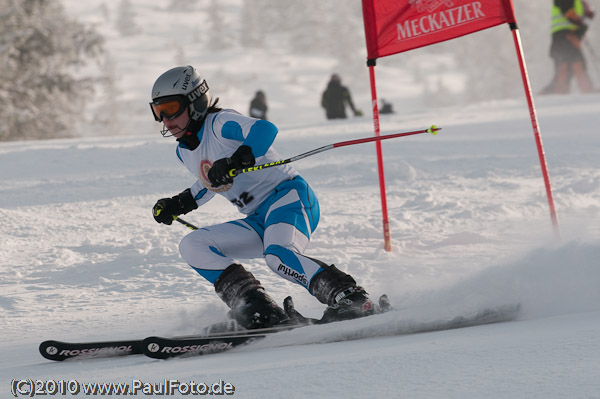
x: 433, y: 129
x: 186, y: 224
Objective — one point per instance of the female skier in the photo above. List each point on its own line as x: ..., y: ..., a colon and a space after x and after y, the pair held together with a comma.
x: 281, y: 210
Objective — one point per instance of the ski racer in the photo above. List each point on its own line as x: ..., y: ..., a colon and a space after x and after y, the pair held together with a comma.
x: 281, y: 210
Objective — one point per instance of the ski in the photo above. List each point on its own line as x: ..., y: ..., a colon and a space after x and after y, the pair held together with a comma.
x: 210, y: 341
x: 214, y: 338
x: 226, y: 336
x: 221, y: 339
x: 164, y: 348
x: 500, y: 314
x: 59, y: 350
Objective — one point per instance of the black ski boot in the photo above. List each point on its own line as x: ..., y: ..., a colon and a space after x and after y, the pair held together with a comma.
x: 351, y: 303
x: 250, y: 305
x: 344, y: 298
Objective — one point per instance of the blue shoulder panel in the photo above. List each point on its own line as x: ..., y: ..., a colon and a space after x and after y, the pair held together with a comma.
x: 261, y: 137
x: 232, y: 130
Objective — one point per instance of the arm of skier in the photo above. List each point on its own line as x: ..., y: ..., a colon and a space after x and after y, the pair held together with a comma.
x: 260, y: 137
x: 167, y: 209
x: 255, y: 139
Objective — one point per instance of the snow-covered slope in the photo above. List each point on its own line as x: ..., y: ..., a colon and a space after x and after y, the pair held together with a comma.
x: 82, y: 258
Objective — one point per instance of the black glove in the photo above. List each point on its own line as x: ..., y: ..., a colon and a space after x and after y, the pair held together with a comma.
x: 242, y: 158
x: 166, y: 209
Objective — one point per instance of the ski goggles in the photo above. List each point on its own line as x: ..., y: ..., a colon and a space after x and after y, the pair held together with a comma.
x: 167, y: 107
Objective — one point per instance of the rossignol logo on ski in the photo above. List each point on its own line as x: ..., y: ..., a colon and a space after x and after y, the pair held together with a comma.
x: 51, y: 350
x: 209, y: 347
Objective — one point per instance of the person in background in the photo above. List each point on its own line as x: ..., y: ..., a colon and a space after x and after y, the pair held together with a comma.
x: 280, y: 209
x: 386, y: 107
x: 335, y: 98
x: 568, y: 29
x: 258, y: 106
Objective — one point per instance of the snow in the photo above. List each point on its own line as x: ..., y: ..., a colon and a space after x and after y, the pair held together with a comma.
x: 83, y: 259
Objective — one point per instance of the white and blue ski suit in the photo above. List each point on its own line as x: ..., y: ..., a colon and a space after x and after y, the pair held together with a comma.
x: 281, y: 209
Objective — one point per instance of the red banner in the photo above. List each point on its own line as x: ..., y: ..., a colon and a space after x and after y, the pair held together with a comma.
x: 394, y: 26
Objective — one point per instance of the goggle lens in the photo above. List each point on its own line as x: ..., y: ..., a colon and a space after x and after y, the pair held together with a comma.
x: 167, y: 109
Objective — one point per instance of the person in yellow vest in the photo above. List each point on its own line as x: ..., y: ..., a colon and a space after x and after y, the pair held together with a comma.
x: 568, y: 28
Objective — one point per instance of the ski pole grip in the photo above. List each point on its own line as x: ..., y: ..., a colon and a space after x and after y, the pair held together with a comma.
x: 233, y: 173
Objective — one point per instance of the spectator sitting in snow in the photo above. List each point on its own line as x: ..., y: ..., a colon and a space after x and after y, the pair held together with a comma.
x: 386, y: 108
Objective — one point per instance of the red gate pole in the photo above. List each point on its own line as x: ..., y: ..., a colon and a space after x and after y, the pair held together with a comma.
x: 386, y: 223
x: 534, y: 122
